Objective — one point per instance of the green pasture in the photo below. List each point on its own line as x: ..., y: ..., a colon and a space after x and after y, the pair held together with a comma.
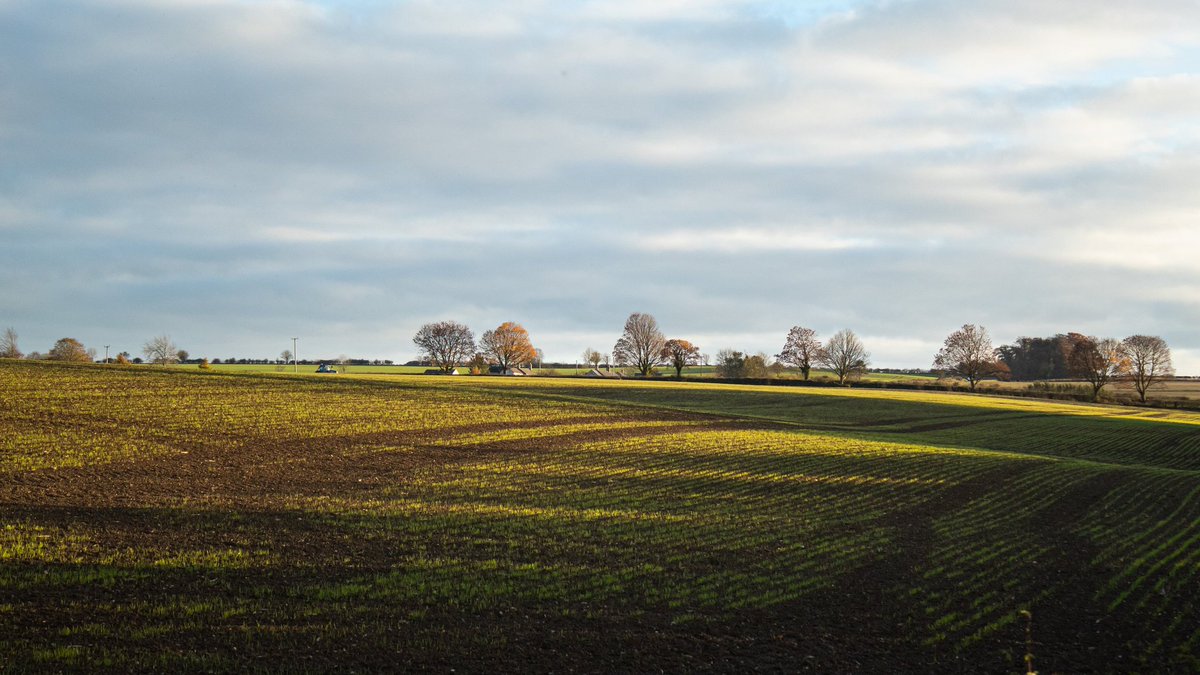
x: 169, y: 519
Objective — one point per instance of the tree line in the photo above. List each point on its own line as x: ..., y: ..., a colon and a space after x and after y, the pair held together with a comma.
x: 967, y: 354
x: 1140, y: 360
x: 158, y: 350
x: 642, y: 346
x: 1143, y: 361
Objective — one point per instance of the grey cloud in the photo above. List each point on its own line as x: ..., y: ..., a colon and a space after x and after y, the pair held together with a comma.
x: 231, y: 172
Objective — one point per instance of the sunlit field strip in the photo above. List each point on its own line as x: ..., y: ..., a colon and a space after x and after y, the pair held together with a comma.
x: 653, y: 392
x: 808, y: 458
x: 60, y: 417
x: 1126, y: 442
x: 724, y: 521
x: 28, y: 542
x: 564, y: 428
x: 1097, y: 433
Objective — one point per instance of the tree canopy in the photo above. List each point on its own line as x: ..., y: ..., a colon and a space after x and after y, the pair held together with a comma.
x: 592, y: 357
x: 445, y: 344
x: 801, y: 349
x: 1099, y: 361
x: 641, y: 344
x: 1037, y: 358
x: 680, y: 354
x: 8, y: 345
x: 508, y: 344
x: 69, y: 349
x: 160, y: 350
x: 845, y: 356
x: 968, y: 353
x: 1149, y: 362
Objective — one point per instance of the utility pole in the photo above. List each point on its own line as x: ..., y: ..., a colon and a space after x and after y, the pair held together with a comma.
x: 106, y: 353
x: 295, y: 357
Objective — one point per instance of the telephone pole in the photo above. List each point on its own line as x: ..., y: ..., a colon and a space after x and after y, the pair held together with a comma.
x: 295, y: 357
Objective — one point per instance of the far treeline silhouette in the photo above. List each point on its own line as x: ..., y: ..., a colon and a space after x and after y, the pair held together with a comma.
x: 967, y: 354
x: 1142, y: 361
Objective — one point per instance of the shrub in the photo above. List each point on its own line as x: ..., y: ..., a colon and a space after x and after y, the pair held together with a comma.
x: 1060, y: 390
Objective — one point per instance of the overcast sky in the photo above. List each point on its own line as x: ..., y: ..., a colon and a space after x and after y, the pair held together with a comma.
x: 235, y: 173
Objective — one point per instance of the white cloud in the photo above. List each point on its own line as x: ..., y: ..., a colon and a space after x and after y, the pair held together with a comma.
x: 740, y: 240
x: 1015, y: 42
x: 1138, y: 248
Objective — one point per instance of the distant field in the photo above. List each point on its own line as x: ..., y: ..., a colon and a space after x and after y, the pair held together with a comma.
x: 173, y: 520
x: 305, y: 369
x: 1181, y: 390
x: 695, y: 371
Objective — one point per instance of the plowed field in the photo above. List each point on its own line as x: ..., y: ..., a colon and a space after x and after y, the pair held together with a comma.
x: 163, y: 520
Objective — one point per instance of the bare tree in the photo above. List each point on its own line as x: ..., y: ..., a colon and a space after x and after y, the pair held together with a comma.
x: 285, y: 356
x: 508, y: 345
x: 182, y: 355
x: 641, y: 344
x: 801, y: 349
x: 1149, y: 362
x: 731, y: 364
x: 845, y: 355
x: 968, y: 353
x: 680, y: 354
x: 445, y: 344
x: 592, y: 357
x: 8, y: 345
x: 70, y: 349
x: 343, y: 363
x: 160, y: 350
x: 1100, y: 362
x: 756, y: 367
x: 478, y: 364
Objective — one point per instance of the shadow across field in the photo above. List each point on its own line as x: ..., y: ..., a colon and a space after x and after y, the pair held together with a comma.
x: 1087, y: 432
x: 453, y: 583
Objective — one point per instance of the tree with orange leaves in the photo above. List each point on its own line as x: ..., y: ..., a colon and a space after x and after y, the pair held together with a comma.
x: 508, y: 344
x: 680, y: 353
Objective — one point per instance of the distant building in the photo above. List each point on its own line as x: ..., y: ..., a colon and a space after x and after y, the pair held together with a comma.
x: 599, y: 373
x: 438, y: 371
x: 497, y: 370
